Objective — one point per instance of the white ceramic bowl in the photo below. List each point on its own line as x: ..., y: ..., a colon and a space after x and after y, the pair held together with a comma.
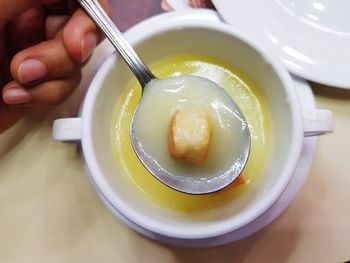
x: 158, y: 38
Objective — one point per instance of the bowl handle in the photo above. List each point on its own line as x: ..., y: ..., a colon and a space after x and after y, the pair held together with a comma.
x: 318, y: 122
x: 67, y: 130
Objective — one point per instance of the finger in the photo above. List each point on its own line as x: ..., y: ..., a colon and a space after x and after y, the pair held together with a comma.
x: 54, y: 25
x: 56, y: 58
x: 165, y: 5
x: 11, y: 8
x: 80, y: 36
x: 14, y: 93
x: 45, y: 61
x: 26, y: 29
x: 52, y: 92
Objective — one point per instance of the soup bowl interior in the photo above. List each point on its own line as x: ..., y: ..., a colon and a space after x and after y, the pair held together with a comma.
x: 234, y: 50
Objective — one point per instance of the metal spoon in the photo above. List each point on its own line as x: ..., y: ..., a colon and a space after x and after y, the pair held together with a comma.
x: 183, y: 183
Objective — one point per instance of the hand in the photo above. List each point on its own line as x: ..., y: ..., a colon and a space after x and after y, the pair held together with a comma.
x: 43, y: 46
x: 200, y: 3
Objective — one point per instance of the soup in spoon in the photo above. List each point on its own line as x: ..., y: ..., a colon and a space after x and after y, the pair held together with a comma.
x: 188, y: 128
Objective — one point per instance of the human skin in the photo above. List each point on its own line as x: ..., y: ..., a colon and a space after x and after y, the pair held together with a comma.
x: 43, y: 46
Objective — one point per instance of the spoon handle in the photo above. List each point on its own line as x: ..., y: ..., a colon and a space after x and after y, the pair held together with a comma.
x: 102, y: 20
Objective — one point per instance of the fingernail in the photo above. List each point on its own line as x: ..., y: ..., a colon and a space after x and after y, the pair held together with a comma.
x: 31, y: 69
x: 16, y: 96
x: 88, y: 44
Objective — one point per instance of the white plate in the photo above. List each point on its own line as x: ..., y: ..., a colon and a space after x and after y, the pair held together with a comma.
x: 301, y: 172
x: 312, y: 37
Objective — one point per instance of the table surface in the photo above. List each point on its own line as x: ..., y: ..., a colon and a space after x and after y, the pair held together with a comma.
x: 50, y: 213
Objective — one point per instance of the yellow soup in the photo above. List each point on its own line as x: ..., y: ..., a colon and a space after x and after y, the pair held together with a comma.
x: 249, y: 100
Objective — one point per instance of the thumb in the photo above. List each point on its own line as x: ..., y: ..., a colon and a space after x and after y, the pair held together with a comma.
x: 80, y: 35
x: 10, y: 8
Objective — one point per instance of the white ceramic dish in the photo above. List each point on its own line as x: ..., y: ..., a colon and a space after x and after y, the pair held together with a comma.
x: 295, y: 184
x: 301, y: 172
x: 311, y: 36
x: 93, y: 130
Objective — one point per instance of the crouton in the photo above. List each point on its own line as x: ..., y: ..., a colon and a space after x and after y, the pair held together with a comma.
x: 190, y: 135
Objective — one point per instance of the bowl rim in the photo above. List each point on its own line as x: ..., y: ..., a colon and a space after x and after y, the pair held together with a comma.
x: 136, y: 35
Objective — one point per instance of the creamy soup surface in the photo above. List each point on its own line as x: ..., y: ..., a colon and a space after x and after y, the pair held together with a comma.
x: 223, y: 145
x: 163, y: 98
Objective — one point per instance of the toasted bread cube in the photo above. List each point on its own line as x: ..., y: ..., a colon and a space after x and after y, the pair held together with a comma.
x: 190, y: 135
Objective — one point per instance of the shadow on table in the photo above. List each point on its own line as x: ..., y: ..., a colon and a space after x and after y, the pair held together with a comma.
x: 253, y: 249
x: 267, y: 245
x: 330, y: 92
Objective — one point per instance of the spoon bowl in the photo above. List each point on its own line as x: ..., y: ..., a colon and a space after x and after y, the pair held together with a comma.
x: 179, y: 92
x: 183, y: 182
